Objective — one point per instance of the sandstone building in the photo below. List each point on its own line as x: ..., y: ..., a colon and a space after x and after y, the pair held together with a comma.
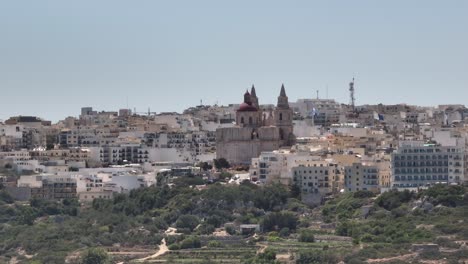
x: 256, y: 130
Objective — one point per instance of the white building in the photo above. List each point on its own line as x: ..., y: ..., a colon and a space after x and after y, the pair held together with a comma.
x: 416, y: 164
x: 361, y: 177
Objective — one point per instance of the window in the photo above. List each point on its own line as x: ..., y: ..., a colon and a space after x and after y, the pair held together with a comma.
x: 281, y: 116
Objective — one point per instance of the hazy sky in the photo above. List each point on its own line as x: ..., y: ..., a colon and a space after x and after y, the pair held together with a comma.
x: 57, y: 56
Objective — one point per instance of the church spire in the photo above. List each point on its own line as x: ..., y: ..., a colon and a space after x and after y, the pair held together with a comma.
x: 252, y: 91
x: 282, y: 99
x: 247, y: 97
x: 253, y: 96
x: 283, y: 91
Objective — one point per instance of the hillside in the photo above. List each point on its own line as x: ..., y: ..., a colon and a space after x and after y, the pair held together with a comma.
x: 202, y: 226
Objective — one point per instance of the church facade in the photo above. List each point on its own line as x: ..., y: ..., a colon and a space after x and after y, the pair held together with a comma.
x: 256, y: 130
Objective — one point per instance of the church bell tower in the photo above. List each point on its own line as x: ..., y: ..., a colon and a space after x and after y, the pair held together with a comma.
x: 283, y: 118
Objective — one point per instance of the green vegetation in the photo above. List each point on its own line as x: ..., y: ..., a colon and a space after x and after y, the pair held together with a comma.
x: 317, y: 257
x: 306, y: 235
x: 95, y: 256
x: 397, y: 219
x: 221, y: 163
x: 51, y: 231
x: 379, y: 227
x: 279, y: 220
x: 266, y: 257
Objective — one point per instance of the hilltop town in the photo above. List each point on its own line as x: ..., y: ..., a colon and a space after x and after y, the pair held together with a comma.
x: 305, y: 181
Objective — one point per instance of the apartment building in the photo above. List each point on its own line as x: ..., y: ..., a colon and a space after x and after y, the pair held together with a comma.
x: 49, y: 186
x: 416, y: 164
x: 360, y: 176
x: 323, y: 111
x: 315, y: 177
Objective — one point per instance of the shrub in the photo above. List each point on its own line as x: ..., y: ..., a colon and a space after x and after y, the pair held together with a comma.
x: 306, y: 235
x: 6, y: 197
x: 394, y: 199
x: 225, y: 175
x: 284, y: 232
x: 444, y: 242
x: 400, y: 211
x: 344, y: 228
x: 448, y: 228
x: 363, y: 194
x: 174, y: 247
x: 174, y: 239
x: 95, y: 256
x: 215, y: 244
x: 316, y: 257
x: 206, y: 229
x: 230, y: 229
x: 268, y: 255
x: 190, y: 242
x: 448, y: 195
x: 430, y: 255
x: 273, y: 239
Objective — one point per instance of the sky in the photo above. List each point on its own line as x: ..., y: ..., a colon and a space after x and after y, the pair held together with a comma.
x: 58, y: 56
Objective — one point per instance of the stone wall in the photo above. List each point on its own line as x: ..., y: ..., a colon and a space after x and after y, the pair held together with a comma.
x: 238, y: 145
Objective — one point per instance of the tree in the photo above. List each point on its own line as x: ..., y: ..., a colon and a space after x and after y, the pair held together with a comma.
x: 187, y: 221
x: 276, y: 221
x: 295, y: 191
x: 205, y: 166
x: 446, y: 195
x: 221, y: 163
x: 5, y: 196
x: 27, y: 215
x: 224, y: 175
x: 95, y: 256
x: 271, y: 196
x: 51, y: 140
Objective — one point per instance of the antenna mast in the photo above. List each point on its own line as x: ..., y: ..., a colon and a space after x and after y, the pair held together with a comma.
x: 351, y: 95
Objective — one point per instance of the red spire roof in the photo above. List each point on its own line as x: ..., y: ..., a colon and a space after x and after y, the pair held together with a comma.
x: 247, y: 106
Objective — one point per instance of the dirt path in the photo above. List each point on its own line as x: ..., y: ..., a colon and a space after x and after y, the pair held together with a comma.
x: 262, y: 248
x: 400, y: 258
x: 162, y: 250
x: 171, y: 231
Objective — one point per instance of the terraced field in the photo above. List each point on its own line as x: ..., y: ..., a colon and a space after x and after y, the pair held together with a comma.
x: 291, y: 246
x: 207, y: 255
x: 285, y: 249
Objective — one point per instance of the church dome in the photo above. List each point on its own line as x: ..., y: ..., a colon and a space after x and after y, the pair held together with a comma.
x: 245, y: 107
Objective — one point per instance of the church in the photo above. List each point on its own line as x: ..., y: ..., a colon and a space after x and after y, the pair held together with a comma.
x: 256, y: 130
